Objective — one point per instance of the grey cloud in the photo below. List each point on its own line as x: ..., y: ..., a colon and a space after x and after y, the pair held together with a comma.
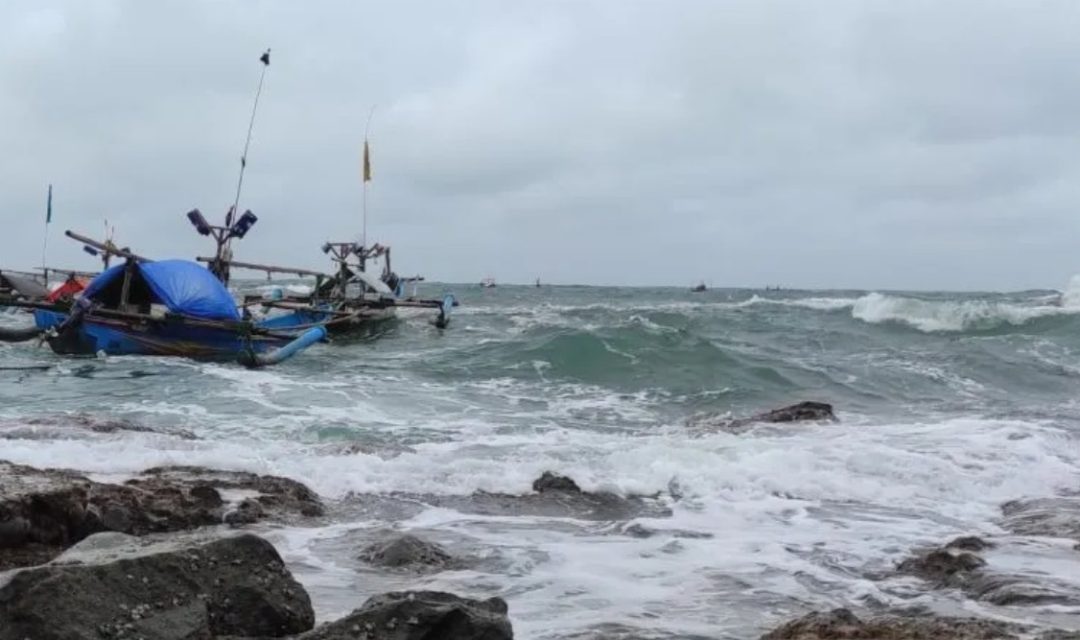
x: 836, y: 144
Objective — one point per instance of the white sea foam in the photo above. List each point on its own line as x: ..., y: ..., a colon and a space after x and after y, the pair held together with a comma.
x: 949, y: 315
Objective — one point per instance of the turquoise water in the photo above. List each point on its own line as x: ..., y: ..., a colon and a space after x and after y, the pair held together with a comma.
x: 950, y: 404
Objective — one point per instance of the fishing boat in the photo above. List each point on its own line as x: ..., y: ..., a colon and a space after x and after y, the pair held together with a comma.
x: 160, y: 308
x: 349, y: 300
x: 22, y: 285
x: 700, y: 288
x: 487, y: 283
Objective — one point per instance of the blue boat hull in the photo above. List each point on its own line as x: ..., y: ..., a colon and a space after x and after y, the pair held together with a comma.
x: 165, y: 337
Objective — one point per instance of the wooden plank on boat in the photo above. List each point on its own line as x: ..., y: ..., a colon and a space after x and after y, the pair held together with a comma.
x: 268, y: 268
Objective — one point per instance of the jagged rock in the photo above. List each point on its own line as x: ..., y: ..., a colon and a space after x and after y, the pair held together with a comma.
x: 158, y: 588
x: 420, y: 615
x: 407, y: 551
x: 807, y: 411
x: 43, y: 511
x: 553, y: 482
x: 843, y: 624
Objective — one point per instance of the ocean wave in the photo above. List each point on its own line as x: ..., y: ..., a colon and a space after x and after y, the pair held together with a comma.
x: 933, y: 316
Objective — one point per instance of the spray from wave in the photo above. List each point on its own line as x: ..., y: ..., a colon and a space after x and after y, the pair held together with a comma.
x: 963, y: 315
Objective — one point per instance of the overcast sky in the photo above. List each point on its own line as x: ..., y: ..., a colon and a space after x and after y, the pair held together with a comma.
x: 819, y: 144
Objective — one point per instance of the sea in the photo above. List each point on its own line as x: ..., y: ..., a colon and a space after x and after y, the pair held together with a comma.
x: 949, y: 405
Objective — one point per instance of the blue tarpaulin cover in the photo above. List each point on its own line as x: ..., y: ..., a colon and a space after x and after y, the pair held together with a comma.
x: 182, y: 286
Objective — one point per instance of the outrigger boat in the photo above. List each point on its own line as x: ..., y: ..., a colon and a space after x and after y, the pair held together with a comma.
x: 162, y: 308
x: 348, y: 300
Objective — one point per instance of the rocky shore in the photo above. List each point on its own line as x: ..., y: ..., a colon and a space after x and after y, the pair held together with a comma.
x: 160, y: 557
x: 169, y: 554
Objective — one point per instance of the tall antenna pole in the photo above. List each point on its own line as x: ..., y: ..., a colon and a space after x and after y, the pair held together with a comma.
x: 265, y: 59
x: 367, y: 174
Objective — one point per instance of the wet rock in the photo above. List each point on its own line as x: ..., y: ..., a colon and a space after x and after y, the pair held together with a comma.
x: 1051, y: 517
x: 177, y: 586
x: 638, y: 530
x: 556, y: 497
x: 943, y: 567
x: 420, y: 615
x: 553, y: 482
x: 951, y: 567
x: 970, y: 543
x: 843, y: 624
x: 47, y: 510
x: 807, y: 411
x: 280, y: 497
x: 95, y: 424
x: 407, y: 551
x: 247, y: 512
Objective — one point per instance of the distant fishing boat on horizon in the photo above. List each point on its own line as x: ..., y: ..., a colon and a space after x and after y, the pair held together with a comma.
x: 699, y: 288
x: 487, y: 283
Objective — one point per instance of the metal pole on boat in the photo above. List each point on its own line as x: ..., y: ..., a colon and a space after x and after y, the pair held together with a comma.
x: 45, y: 242
x: 265, y: 60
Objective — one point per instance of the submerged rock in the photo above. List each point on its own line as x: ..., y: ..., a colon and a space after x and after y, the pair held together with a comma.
x: 407, y: 551
x: 180, y: 586
x: 94, y: 424
x: 807, y: 411
x: 420, y: 615
x: 843, y: 624
x: 556, y: 497
x: 43, y: 511
x: 943, y: 567
x: 1051, y: 517
x: 953, y: 567
x: 970, y: 543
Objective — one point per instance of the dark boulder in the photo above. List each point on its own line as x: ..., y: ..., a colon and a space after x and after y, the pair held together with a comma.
x: 843, y: 624
x: 554, y: 482
x: 407, y: 551
x: 942, y: 567
x: 156, y: 588
x: 43, y: 511
x: 807, y: 411
x: 420, y: 615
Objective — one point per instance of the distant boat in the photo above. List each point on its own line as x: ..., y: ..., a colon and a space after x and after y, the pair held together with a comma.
x: 699, y: 288
x: 488, y: 283
x: 538, y: 283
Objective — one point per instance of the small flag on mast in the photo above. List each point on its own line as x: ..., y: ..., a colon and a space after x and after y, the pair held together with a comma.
x: 367, y: 163
x: 48, y: 207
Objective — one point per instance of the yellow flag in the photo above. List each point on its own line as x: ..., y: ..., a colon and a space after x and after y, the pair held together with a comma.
x: 367, y: 163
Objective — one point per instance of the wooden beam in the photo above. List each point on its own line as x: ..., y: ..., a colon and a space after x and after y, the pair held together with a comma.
x: 268, y: 268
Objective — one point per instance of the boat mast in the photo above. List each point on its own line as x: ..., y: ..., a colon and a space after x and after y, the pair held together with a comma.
x: 223, y: 247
